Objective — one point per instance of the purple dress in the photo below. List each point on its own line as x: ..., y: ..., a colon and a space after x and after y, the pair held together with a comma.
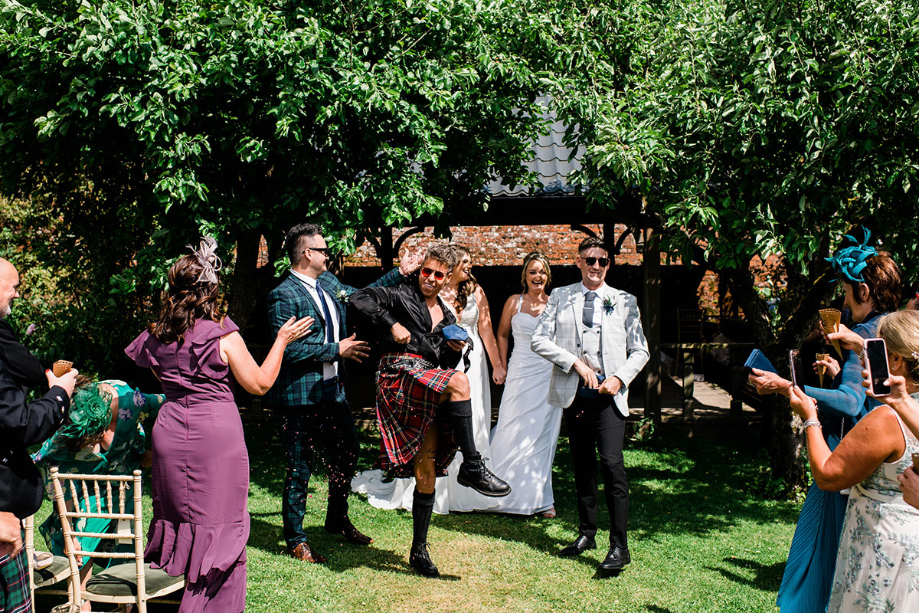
x: 200, y: 522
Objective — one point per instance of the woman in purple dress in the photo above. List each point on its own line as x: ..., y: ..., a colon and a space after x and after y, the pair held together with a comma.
x: 200, y: 522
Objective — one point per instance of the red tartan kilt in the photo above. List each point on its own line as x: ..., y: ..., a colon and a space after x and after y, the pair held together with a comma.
x: 407, y: 402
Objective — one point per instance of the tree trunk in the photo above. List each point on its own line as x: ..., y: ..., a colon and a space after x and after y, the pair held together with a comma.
x: 785, y: 457
x: 249, y: 282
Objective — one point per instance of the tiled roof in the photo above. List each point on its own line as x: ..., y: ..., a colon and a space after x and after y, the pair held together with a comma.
x: 552, y: 162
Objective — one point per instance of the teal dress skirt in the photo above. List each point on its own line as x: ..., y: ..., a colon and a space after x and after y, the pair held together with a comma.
x: 123, y: 457
x: 808, y: 577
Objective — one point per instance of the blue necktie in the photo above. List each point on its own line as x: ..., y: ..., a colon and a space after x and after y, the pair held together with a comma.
x: 587, y: 314
x: 329, y: 327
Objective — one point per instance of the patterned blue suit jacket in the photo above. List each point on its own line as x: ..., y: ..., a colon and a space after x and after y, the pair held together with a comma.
x: 299, y: 381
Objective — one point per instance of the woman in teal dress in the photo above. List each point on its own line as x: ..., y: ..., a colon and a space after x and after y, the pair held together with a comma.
x: 878, y: 554
x: 103, y: 434
x: 871, y: 280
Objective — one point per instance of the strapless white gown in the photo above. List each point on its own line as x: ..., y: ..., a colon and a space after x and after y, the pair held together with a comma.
x: 524, y: 441
x: 449, y: 495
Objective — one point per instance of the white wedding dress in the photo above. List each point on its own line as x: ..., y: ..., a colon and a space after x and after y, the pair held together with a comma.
x: 523, y: 443
x: 450, y: 496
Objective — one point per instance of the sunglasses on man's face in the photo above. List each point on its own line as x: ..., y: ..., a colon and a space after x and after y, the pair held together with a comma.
x: 603, y: 261
x: 323, y: 250
x: 427, y: 272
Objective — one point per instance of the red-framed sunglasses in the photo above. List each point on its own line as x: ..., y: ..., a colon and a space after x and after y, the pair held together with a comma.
x: 427, y: 272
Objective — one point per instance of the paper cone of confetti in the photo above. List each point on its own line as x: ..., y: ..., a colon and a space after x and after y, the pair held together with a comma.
x: 821, y: 368
x: 61, y: 368
x: 830, y: 319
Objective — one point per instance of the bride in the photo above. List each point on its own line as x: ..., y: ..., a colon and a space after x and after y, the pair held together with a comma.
x: 464, y: 295
x: 523, y: 443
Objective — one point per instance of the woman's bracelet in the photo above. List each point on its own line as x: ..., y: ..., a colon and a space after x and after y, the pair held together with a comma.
x: 812, y: 423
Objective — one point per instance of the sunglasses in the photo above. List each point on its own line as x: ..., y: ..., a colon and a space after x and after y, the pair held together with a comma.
x: 427, y: 272
x: 323, y: 250
x: 603, y: 261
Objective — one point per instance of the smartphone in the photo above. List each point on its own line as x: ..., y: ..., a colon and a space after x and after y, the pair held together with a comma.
x: 795, y: 367
x: 876, y: 358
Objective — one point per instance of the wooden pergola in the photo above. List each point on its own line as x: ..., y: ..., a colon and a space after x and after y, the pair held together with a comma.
x: 571, y: 210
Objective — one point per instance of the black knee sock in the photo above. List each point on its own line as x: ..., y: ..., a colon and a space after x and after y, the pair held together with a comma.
x: 422, y: 507
x: 460, y: 412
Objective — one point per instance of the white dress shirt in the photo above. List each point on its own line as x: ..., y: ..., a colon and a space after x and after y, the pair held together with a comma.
x: 329, y: 369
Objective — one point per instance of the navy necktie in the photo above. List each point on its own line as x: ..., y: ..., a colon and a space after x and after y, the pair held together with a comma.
x: 587, y: 314
x: 329, y: 326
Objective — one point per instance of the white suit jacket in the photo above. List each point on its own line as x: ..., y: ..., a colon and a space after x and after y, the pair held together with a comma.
x: 558, y: 339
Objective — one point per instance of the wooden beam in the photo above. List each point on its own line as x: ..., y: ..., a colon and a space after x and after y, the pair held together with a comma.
x: 651, y: 314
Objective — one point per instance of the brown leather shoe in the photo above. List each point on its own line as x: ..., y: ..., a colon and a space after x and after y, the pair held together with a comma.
x: 346, y: 529
x: 303, y: 553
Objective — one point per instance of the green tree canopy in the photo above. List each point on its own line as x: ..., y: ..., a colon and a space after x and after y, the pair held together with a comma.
x: 141, y: 124
x: 765, y: 127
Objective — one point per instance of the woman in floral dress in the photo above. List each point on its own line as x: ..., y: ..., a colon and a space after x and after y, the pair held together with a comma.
x: 877, y: 567
x: 103, y: 434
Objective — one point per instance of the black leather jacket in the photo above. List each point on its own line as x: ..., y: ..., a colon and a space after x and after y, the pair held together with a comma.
x: 404, y: 304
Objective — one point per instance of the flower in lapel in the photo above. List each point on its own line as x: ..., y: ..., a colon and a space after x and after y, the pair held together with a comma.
x: 342, y: 296
x: 609, y: 305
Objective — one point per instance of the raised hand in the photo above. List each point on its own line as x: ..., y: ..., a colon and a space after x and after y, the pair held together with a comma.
x: 353, y: 349
x: 295, y: 329
x: 847, y: 339
x: 832, y: 366
x: 411, y: 261
x: 803, y: 405
x: 68, y: 380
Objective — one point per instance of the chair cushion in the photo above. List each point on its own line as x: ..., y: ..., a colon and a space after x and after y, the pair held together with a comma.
x: 45, y: 576
x: 121, y: 580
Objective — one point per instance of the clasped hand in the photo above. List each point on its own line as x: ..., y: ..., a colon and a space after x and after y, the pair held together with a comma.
x: 611, y: 385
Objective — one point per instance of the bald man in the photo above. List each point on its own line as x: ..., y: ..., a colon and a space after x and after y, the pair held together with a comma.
x: 24, y: 367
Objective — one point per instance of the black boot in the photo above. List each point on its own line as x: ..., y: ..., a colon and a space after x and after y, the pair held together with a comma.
x: 419, y: 558
x: 474, y: 474
x: 421, y: 561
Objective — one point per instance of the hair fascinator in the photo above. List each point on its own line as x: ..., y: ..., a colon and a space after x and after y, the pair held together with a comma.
x: 90, y: 413
x: 850, y: 261
x: 207, y: 256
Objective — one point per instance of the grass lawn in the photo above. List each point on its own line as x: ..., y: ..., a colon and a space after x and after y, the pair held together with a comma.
x: 701, y: 539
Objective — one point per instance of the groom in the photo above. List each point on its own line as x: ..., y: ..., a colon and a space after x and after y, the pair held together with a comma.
x: 592, y: 333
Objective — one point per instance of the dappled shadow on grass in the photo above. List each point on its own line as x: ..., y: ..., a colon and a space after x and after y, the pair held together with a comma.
x: 706, y: 489
x: 653, y: 608
x: 342, y: 556
x: 767, y: 578
x: 678, y: 487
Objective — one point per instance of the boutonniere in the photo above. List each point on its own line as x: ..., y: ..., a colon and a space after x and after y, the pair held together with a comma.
x: 608, y: 305
x: 342, y: 296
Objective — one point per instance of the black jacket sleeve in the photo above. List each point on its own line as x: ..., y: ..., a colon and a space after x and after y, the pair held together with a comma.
x: 24, y: 367
x: 28, y: 424
x: 376, y: 303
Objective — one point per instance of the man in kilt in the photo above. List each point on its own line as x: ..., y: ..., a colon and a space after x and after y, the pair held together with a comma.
x: 423, y: 405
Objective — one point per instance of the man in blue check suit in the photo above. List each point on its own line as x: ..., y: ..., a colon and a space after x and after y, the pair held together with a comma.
x: 308, y: 396
x: 592, y: 333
